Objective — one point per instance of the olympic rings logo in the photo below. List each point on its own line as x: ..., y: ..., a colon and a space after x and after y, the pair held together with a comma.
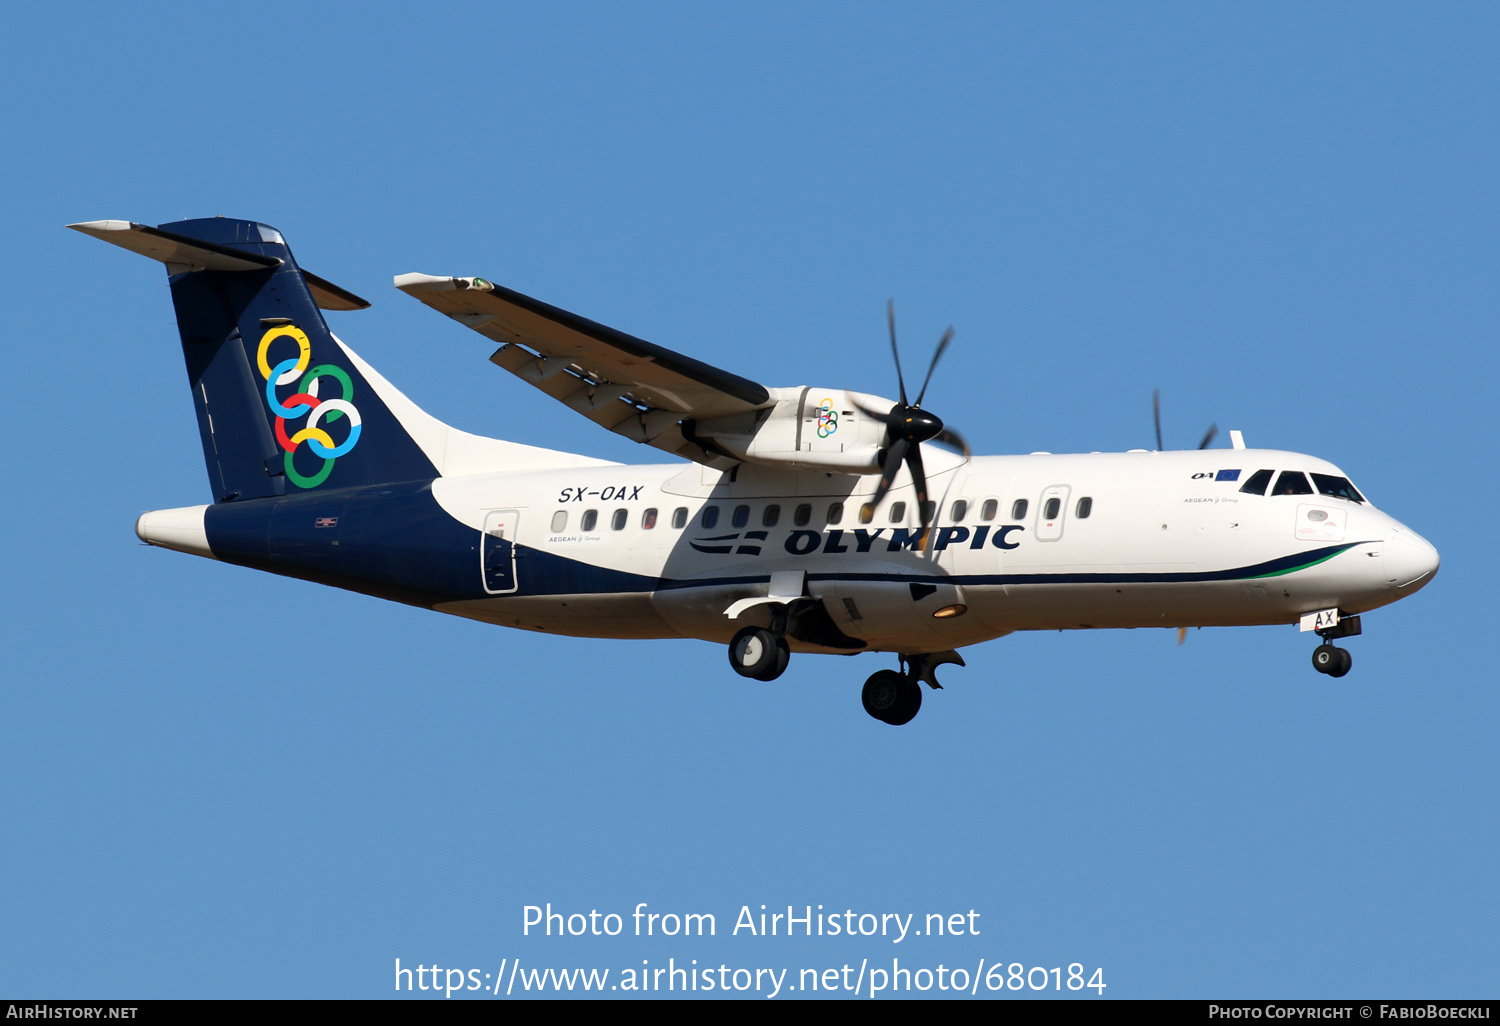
x: 828, y: 418
x: 305, y: 403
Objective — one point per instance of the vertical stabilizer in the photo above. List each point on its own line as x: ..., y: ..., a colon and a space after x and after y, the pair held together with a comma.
x: 281, y: 407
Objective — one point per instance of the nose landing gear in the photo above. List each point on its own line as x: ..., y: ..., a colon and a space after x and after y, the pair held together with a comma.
x: 1330, y: 659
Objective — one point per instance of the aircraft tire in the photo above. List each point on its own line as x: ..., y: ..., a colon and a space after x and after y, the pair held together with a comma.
x: 1345, y: 663
x: 891, y: 698
x: 759, y: 654
x: 783, y: 657
x: 1325, y: 659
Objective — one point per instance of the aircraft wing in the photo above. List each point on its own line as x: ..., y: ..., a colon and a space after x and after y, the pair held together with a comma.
x: 630, y: 386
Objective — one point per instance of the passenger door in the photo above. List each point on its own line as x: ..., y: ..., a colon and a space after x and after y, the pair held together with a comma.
x: 497, y: 551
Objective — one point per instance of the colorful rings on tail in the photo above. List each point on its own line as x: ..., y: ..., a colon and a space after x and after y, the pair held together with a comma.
x: 305, y: 402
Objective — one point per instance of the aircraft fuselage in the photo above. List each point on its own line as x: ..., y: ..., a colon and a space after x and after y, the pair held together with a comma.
x: 1166, y: 539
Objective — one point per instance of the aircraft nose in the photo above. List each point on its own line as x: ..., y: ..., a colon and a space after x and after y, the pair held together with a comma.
x: 1410, y: 560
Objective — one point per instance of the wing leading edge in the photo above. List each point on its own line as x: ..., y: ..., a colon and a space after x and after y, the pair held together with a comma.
x: 632, y: 387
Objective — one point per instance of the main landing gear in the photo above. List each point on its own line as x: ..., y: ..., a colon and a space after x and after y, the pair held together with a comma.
x: 1331, y: 659
x: 892, y: 697
x: 759, y: 653
x: 895, y: 697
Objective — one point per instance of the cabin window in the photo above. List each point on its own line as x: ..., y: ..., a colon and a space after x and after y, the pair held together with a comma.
x: 560, y: 521
x: 802, y: 515
x: 741, y: 516
x: 710, y: 516
x: 989, y: 509
x: 648, y: 520
x: 1085, y: 507
x: 835, y: 512
x: 959, y: 511
x: 866, y: 513
x: 1338, y: 487
x: 770, y: 516
x: 1292, y: 482
x: 679, y: 517
x: 928, y: 511
x: 590, y: 519
x: 1018, y: 509
x: 898, y: 512
x: 617, y: 522
x: 1052, y: 508
x: 1258, y: 482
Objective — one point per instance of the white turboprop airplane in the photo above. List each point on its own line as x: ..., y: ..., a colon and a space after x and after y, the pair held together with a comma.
x: 808, y: 519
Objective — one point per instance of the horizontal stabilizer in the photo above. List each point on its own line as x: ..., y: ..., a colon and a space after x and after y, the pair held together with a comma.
x: 181, y: 253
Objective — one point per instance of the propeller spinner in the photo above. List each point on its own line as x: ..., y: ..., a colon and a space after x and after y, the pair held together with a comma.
x: 907, y: 426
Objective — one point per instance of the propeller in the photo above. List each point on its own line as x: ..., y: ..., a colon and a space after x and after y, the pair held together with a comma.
x: 1208, y: 436
x: 907, y: 426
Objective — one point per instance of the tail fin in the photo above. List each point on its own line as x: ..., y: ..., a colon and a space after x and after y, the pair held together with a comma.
x: 282, y: 405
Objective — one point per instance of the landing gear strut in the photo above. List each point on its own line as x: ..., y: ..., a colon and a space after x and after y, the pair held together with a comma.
x: 759, y: 653
x: 1330, y: 659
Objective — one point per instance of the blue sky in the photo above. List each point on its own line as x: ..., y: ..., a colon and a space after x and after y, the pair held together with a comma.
x: 221, y: 783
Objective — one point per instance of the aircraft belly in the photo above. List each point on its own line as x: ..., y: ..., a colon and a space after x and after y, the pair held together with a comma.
x: 696, y: 609
x: 1069, y: 606
x: 618, y: 615
x: 897, y: 614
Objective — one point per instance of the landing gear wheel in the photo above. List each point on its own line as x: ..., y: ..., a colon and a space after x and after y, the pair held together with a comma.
x: 1325, y: 658
x: 759, y: 654
x: 1346, y: 663
x: 1332, y: 660
x: 783, y: 657
x: 891, y: 697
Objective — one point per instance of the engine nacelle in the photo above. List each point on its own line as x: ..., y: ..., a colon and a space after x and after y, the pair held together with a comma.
x: 807, y: 428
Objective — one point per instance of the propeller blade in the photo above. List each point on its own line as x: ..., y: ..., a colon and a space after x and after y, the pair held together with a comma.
x: 919, y: 479
x: 893, y: 457
x: 1156, y: 415
x: 1208, y: 436
x: 942, y: 345
x: 890, y: 317
x: 918, y: 476
x: 1181, y: 635
x: 887, y: 418
x: 953, y: 440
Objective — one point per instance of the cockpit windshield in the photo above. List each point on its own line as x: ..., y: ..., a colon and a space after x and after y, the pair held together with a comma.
x: 1338, y: 487
x: 1294, y: 482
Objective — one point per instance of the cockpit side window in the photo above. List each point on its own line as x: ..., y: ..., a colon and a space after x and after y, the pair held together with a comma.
x: 1258, y: 482
x: 1292, y: 482
x: 1338, y: 487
